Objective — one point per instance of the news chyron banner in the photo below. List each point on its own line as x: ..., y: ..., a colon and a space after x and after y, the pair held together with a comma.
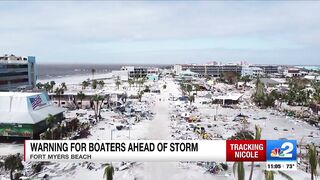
x: 278, y: 154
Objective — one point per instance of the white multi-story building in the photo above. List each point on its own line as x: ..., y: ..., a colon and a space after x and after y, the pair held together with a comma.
x: 17, y: 73
x: 138, y: 72
x: 251, y: 71
x: 294, y: 72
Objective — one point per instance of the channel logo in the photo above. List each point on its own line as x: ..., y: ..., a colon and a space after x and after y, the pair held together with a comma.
x: 281, y: 150
x: 277, y: 153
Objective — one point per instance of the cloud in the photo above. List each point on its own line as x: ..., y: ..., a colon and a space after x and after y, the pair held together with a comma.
x: 79, y: 30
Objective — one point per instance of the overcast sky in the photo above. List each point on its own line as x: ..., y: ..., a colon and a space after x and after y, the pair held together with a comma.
x: 162, y: 32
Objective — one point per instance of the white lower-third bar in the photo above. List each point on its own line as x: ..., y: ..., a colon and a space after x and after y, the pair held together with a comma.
x: 139, y: 150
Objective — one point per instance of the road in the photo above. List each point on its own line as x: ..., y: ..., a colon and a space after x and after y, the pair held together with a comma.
x: 159, y: 130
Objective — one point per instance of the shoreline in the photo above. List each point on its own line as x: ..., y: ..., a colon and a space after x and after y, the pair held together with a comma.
x: 78, y: 78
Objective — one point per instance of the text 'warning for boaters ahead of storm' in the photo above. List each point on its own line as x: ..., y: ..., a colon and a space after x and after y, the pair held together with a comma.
x: 279, y: 154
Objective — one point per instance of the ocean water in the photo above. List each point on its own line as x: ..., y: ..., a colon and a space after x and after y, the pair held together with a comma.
x: 48, y: 71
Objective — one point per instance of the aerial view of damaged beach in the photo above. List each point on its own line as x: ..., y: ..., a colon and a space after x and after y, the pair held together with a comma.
x: 148, y: 70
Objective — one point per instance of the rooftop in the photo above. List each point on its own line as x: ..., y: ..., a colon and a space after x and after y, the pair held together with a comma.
x: 18, y: 94
x: 13, y: 57
x: 19, y: 107
x: 234, y: 96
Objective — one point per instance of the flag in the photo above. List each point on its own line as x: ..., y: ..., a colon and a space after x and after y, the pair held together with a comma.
x: 35, y: 102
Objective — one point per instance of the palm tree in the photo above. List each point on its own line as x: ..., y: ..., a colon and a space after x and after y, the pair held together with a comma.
x: 316, y: 94
x: 52, y: 83
x: 81, y: 96
x: 197, y: 88
x: 94, y: 84
x: 183, y: 87
x: 59, y: 92
x: 239, y: 168
x: 39, y: 85
x: 63, y: 130
x: 142, y: 81
x: 97, y: 99
x: 12, y: 163
x: 108, y: 172
x: 140, y: 95
x: 259, y: 95
x: 1, y: 164
x: 101, y: 84
x: 118, y: 83
x: 313, y: 160
x: 107, y: 97
x: 92, y: 72
x: 191, y: 99
x: 257, y: 137
x: 269, y: 175
x: 246, y: 79
x: 189, y: 88
x: 130, y: 82
x: 85, y: 84
x: 50, y: 120
x: 47, y: 86
x: 47, y: 134
x: 64, y: 86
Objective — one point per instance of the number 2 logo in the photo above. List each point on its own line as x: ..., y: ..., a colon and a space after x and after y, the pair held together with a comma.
x: 287, y: 149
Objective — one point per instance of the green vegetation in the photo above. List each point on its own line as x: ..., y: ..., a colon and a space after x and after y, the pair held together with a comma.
x: 101, y: 84
x: 191, y: 99
x: 197, y: 88
x: 130, y: 82
x: 245, y: 79
x: 259, y: 95
x: 48, y: 86
x: 269, y: 175
x: 244, y: 134
x: 85, y: 84
x: 50, y: 120
x: 239, y: 169
x: 313, y: 160
x: 81, y: 96
x: 37, y: 167
x: 189, y: 88
x: 183, y: 87
x: 59, y: 91
x: 94, y: 84
x: 140, y: 95
x: 108, y: 172
x: 257, y: 137
x: 118, y: 82
x: 63, y: 86
x: 12, y: 163
x: 297, y: 95
x: 141, y: 82
x: 229, y: 77
x: 97, y: 105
